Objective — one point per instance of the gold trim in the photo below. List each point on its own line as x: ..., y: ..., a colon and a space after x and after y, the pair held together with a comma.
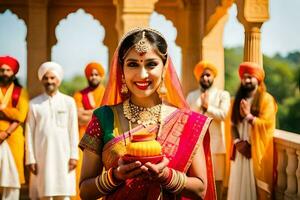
x: 199, y: 142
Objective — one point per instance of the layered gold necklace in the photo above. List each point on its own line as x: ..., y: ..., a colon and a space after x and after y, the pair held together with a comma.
x: 141, y: 115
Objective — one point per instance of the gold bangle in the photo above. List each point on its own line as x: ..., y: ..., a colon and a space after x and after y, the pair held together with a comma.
x: 111, y: 179
x: 177, y: 183
x: 98, y: 186
x: 105, y: 183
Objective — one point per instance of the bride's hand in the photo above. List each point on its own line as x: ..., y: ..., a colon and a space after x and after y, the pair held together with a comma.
x: 159, y: 171
x: 127, y: 170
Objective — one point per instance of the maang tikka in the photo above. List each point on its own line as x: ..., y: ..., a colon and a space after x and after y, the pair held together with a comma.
x: 142, y: 46
x: 124, y: 88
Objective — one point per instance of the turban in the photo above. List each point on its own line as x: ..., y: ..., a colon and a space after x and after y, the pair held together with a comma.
x: 50, y: 66
x: 89, y: 68
x: 11, y: 62
x: 253, y: 69
x: 201, y: 66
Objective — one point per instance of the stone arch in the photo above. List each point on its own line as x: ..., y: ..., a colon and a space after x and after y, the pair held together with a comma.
x: 64, y: 36
x: 165, y: 26
x: 212, y: 43
x: 11, y: 39
x: 100, y: 10
x: 234, y: 25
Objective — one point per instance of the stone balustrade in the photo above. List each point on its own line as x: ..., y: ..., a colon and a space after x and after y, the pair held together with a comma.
x: 288, y: 166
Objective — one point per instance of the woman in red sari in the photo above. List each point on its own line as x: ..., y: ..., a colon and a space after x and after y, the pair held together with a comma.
x: 143, y: 93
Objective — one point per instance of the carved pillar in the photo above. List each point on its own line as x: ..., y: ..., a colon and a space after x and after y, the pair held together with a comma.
x: 191, y: 51
x: 298, y: 174
x: 291, y: 189
x: 132, y: 13
x: 37, y: 43
x: 213, y: 50
x: 252, y: 14
x: 281, y: 169
x: 252, y: 49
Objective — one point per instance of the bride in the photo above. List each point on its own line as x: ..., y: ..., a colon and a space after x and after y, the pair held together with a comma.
x: 143, y: 92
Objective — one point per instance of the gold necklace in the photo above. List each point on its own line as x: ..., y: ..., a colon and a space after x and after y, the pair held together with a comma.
x: 141, y: 115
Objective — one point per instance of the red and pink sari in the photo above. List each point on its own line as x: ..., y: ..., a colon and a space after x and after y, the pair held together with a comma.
x: 183, y: 132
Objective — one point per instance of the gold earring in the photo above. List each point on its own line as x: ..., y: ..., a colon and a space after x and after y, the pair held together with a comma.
x: 162, y: 90
x: 124, y: 88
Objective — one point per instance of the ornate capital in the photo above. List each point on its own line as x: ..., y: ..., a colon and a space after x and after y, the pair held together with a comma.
x: 253, y: 10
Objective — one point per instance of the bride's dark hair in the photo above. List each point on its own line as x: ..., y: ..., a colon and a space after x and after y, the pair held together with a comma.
x: 158, y: 43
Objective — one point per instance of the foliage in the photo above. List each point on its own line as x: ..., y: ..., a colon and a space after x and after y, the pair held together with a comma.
x: 289, y: 115
x: 233, y: 57
x: 75, y: 84
x: 282, y: 81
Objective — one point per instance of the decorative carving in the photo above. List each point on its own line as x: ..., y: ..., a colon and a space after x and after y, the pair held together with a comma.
x: 256, y: 10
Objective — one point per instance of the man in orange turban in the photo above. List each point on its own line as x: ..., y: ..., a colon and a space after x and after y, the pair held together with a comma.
x: 13, y: 111
x: 253, y: 123
x: 87, y: 100
x: 203, y: 65
x: 214, y: 103
x: 253, y: 69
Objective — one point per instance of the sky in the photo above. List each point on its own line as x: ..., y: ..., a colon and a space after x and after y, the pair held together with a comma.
x: 80, y: 37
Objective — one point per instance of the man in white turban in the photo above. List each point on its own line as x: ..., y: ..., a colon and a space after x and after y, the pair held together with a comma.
x: 52, y: 138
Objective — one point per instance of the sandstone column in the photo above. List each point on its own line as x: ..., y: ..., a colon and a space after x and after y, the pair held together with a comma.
x: 252, y: 14
x: 133, y: 13
x: 213, y: 49
x: 36, y: 43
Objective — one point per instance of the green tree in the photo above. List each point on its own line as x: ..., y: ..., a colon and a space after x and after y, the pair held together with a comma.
x: 233, y: 57
x: 280, y: 77
x: 289, y: 115
x: 74, y: 84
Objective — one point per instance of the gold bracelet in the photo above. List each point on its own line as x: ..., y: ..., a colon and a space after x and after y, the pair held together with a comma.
x: 177, y: 183
x: 105, y: 183
x: 111, y: 179
x: 98, y: 186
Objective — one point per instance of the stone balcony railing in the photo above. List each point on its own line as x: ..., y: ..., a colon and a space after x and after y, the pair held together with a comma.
x: 288, y: 168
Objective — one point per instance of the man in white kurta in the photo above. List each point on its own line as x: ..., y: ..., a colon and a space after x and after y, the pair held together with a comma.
x: 52, y: 139
x: 214, y: 103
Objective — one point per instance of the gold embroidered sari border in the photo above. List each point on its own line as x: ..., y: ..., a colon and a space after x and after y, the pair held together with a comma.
x: 91, y: 143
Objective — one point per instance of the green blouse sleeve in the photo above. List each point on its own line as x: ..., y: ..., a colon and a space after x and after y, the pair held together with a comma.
x: 106, y: 118
x: 99, y: 130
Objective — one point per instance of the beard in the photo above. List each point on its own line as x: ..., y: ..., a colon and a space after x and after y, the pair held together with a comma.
x: 50, y: 88
x: 206, y: 85
x: 6, y: 80
x: 94, y: 83
x: 248, y: 88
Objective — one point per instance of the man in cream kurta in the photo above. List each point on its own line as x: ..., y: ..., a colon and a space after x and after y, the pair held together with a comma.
x: 214, y: 103
x: 52, y: 139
